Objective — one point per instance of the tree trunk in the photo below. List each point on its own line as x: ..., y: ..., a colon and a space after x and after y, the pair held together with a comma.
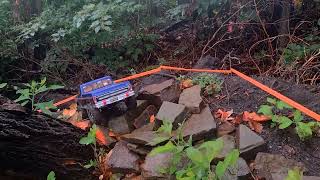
x: 34, y: 145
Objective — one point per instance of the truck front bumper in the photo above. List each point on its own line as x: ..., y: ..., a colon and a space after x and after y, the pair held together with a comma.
x: 114, y: 99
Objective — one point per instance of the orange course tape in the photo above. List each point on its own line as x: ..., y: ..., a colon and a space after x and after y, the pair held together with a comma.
x: 241, y: 75
x: 278, y: 95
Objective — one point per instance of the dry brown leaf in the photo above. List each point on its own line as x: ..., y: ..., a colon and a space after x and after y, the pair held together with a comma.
x: 70, y: 111
x: 83, y: 124
x: 247, y: 116
x: 186, y: 84
x: 224, y: 115
x: 152, y: 119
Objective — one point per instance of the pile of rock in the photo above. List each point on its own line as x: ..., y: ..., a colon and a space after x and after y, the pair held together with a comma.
x: 167, y: 103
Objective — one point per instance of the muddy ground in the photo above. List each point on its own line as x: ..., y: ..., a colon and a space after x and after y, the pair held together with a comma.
x: 242, y: 96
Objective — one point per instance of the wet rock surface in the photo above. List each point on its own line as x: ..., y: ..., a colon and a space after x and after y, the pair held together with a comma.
x: 119, y: 125
x: 225, y: 128
x: 128, y: 161
x: 171, y: 112
x: 158, y: 93
x: 191, y: 98
x: 267, y: 164
x: 144, y: 117
x: 200, y: 125
x: 152, y: 166
x: 140, y: 137
x: 249, y: 142
x: 228, y: 145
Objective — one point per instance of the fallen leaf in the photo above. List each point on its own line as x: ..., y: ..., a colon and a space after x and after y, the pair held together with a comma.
x: 69, y: 162
x: 237, y: 119
x: 83, y: 124
x: 152, y: 119
x: 247, y: 116
x: 70, y: 111
x: 186, y: 84
x: 224, y: 115
x: 255, y: 126
x: 101, y: 137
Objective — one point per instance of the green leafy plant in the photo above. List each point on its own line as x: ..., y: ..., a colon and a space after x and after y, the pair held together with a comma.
x: 295, y: 51
x: 2, y: 85
x: 294, y: 174
x: 29, y: 94
x: 90, y: 139
x: 51, y: 176
x: 276, y: 110
x: 199, y: 158
x: 210, y: 83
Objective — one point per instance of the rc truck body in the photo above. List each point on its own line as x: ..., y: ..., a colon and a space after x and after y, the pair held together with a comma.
x: 103, y: 93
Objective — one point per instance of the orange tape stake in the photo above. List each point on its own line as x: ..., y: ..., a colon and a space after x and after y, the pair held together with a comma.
x: 278, y: 95
x: 241, y: 75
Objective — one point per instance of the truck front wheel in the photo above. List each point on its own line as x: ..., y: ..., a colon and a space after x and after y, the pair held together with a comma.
x: 95, y: 115
x: 131, y: 102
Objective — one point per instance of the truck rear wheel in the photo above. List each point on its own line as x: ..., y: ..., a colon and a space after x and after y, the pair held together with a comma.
x: 131, y: 102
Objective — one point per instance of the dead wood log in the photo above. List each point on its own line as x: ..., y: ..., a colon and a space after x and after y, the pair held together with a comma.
x: 34, y: 145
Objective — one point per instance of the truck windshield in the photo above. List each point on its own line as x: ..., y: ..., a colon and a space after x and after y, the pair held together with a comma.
x: 96, y: 85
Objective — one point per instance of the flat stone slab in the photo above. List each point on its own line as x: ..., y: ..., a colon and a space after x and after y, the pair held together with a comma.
x: 200, y: 125
x: 152, y: 166
x: 107, y: 139
x: 249, y: 142
x: 229, y: 143
x: 158, y: 93
x: 267, y: 164
x: 119, y: 125
x: 140, y: 137
x: 171, y: 112
x: 121, y: 160
x: 144, y: 117
x: 191, y: 98
x: 225, y: 128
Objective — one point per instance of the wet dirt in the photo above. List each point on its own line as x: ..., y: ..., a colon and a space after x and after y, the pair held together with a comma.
x: 240, y: 96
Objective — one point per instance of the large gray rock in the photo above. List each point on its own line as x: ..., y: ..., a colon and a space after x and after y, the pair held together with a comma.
x: 168, y: 90
x: 134, y: 113
x: 240, y: 171
x: 141, y: 150
x: 121, y: 160
x: 119, y: 125
x: 267, y: 164
x: 191, y: 98
x: 249, y: 142
x: 200, y: 125
x: 151, y: 168
x: 140, y: 137
x: 225, y: 128
x: 228, y: 145
x: 171, y: 112
x: 144, y: 117
x: 108, y: 140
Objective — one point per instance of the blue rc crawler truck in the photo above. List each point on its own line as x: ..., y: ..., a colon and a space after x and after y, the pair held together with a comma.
x: 101, y: 94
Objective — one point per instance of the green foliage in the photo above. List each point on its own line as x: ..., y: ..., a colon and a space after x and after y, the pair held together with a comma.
x: 200, y: 158
x: 209, y: 82
x: 229, y: 160
x: 33, y: 89
x: 2, y: 85
x: 295, y: 51
x: 274, y: 110
x: 163, y: 133
x: 294, y: 174
x: 90, y: 138
x: 51, y: 176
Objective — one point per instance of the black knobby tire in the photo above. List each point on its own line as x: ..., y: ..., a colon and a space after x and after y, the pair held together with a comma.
x: 95, y: 115
x: 131, y: 102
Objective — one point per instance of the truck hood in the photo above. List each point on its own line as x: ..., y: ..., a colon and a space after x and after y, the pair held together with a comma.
x: 109, y: 88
